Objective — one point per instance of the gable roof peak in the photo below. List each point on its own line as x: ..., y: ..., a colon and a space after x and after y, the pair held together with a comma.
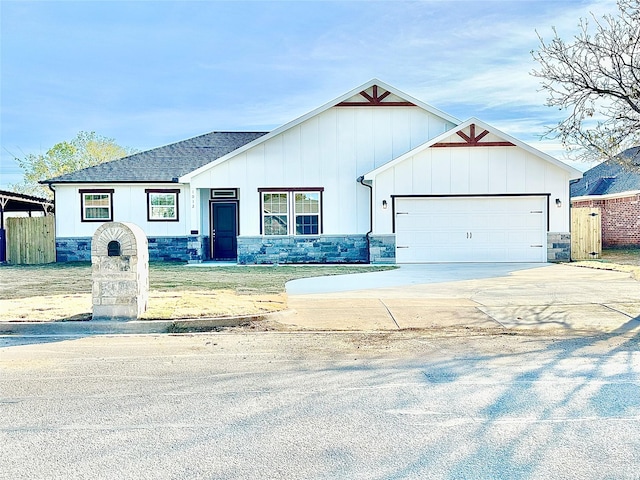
x: 186, y: 178
x: 376, y: 96
x: 505, y: 140
x: 389, y: 96
x: 472, y: 137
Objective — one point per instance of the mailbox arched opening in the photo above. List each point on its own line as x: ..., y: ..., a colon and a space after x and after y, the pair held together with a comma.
x: 113, y: 249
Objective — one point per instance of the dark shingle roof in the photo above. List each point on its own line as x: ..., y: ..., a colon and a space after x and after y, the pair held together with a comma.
x: 610, y: 176
x: 162, y: 164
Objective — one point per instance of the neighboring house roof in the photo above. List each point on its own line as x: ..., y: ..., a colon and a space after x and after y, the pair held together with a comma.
x: 610, y: 177
x: 474, y: 122
x: 344, y: 99
x: 162, y: 164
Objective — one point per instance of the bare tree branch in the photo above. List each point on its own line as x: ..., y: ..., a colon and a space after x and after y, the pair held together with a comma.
x: 595, y: 79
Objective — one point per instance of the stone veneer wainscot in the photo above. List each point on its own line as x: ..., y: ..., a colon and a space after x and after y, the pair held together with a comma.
x: 169, y: 249
x: 302, y: 249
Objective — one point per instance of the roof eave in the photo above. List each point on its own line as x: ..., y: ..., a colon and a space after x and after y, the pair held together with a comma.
x: 23, y: 197
x: 607, y: 196
x: 106, y: 182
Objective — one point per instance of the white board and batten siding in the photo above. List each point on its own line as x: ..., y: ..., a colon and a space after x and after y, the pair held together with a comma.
x: 329, y: 150
x: 129, y: 205
x: 471, y: 229
x: 499, y: 228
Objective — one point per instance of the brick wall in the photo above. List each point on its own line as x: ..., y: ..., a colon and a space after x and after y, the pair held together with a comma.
x: 620, y: 219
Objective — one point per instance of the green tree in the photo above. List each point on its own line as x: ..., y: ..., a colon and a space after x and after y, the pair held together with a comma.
x: 595, y: 79
x: 85, y: 150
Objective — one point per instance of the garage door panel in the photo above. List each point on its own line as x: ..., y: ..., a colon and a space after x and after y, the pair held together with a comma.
x: 520, y: 221
x: 522, y: 237
x: 534, y: 254
x: 453, y: 254
x: 481, y: 221
x: 494, y: 254
x: 478, y: 229
x: 497, y: 237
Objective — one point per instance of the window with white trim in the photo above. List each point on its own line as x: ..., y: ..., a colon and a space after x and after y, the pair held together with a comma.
x: 96, y: 205
x: 291, y: 211
x: 307, y: 212
x: 162, y: 205
x: 275, y: 213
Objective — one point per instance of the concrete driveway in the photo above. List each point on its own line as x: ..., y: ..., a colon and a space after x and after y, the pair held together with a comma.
x: 502, y: 296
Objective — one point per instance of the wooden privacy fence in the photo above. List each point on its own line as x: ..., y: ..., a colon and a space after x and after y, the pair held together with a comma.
x: 31, y: 240
x: 586, y: 233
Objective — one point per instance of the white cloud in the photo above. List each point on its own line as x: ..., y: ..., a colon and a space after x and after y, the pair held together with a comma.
x: 156, y: 72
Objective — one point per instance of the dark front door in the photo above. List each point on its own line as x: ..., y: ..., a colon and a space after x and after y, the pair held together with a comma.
x: 224, y: 229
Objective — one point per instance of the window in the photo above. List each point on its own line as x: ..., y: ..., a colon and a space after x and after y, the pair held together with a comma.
x: 275, y: 207
x: 307, y: 211
x: 224, y: 193
x: 162, y: 205
x: 291, y: 211
x: 96, y: 205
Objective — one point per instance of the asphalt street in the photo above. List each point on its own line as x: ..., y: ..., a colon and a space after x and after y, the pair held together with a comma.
x: 390, y: 405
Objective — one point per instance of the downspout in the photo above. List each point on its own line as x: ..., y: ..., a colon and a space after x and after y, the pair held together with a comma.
x: 53, y: 210
x: 361, y: 182
x: 55, y: 220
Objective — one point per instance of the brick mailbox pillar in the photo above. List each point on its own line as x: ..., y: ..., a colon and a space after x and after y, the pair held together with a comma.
x: 120, y: 271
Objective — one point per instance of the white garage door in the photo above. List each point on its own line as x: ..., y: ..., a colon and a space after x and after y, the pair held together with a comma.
x: 471, y: 229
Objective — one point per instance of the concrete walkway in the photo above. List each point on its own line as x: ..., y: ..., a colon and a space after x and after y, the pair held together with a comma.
x: 504, y: 296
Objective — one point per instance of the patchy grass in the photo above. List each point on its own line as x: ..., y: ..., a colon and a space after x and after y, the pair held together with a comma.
x: 22, y: 281
x: 622, y: 256
x: 62, y: 291
x: 244, y: 279
x: 616, y: 259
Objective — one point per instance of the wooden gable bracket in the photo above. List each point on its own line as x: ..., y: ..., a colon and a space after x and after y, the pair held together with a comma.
x: 473, y: 140
x: 375, y: 100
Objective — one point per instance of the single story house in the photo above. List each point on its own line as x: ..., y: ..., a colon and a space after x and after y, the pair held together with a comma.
x: 374, y: 175
x: 613, y: 187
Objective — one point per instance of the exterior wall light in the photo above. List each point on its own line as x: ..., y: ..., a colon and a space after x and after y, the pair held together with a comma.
x: 384, y: 204
x: 558, y: 203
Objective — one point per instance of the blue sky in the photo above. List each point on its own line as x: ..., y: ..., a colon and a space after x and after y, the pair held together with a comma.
x: 149, y: 73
